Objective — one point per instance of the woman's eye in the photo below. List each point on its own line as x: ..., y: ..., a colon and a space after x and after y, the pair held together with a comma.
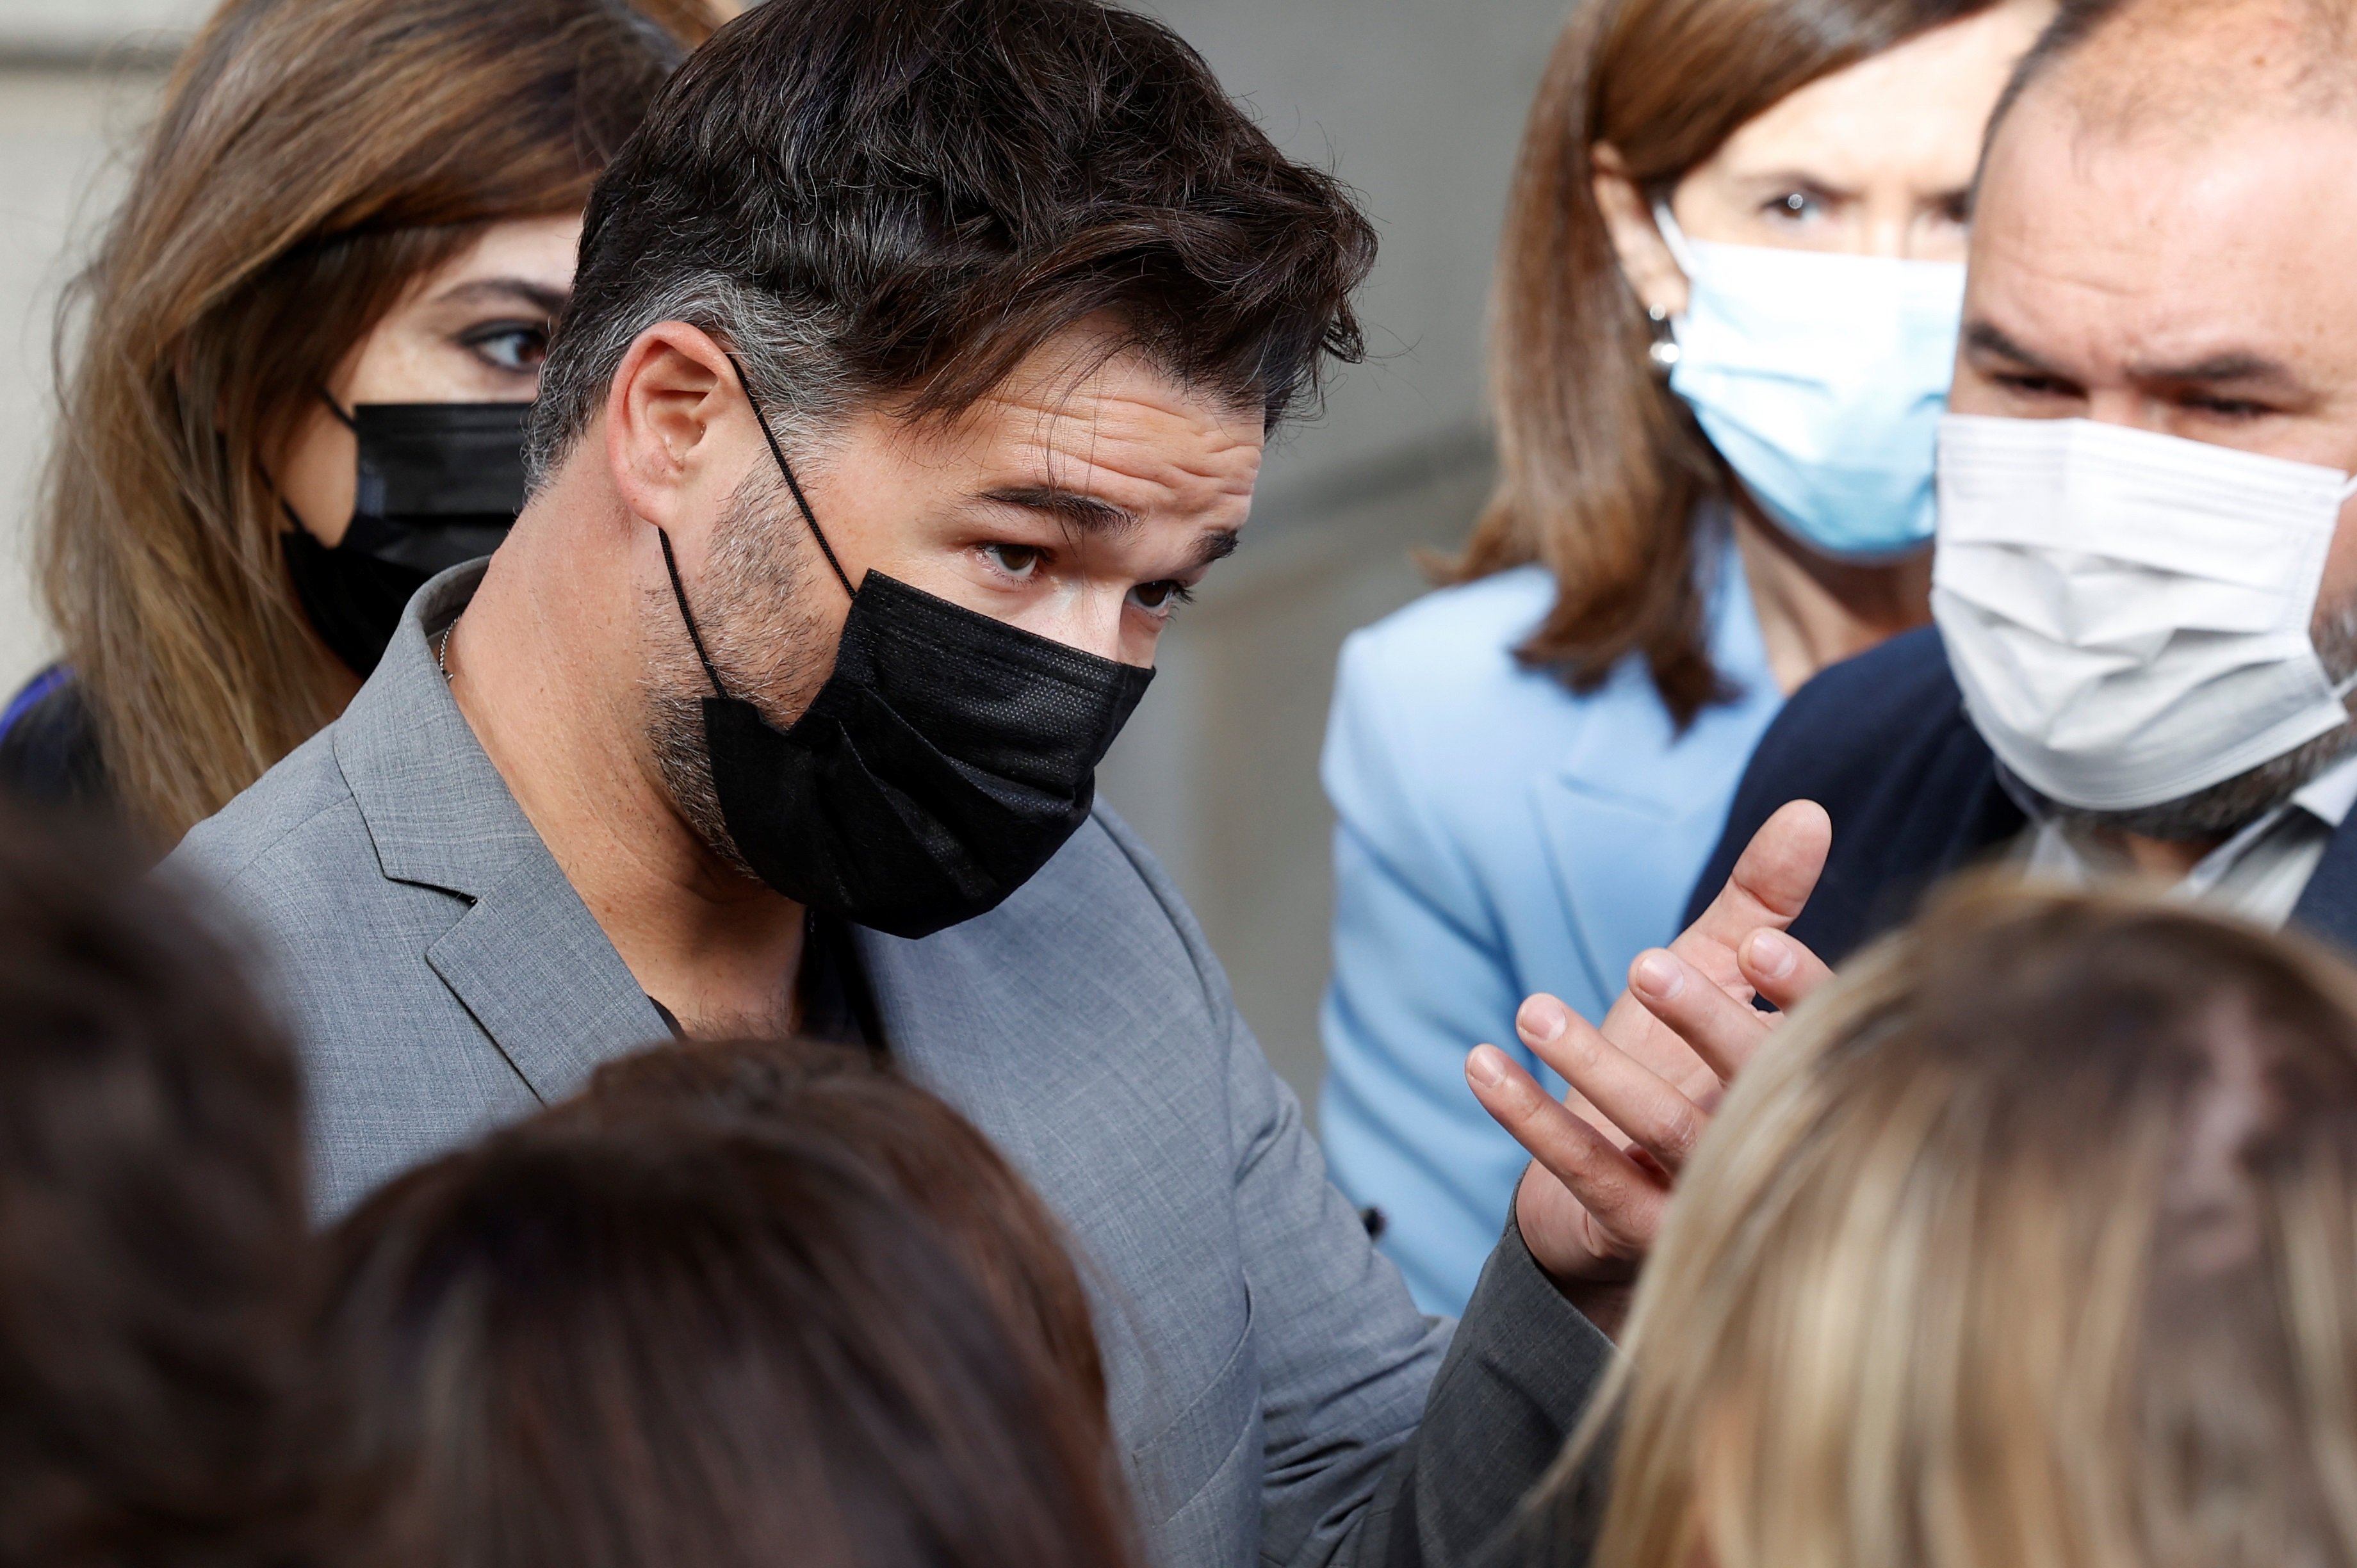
x: 1015, y: 560
x: 510, y: 345
x: 1795, y: 207
x: 1165, y: 595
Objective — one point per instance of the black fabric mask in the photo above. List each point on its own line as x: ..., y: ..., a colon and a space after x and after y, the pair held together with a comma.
x: 947, y: 758
x: 437, y: 484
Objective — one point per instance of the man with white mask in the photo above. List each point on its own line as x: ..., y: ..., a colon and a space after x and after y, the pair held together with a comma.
x: 2146, y: 585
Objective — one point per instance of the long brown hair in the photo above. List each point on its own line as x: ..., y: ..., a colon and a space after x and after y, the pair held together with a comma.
x: 311, y: 160
x: 2031, y: 1240
x: 1602, y: 467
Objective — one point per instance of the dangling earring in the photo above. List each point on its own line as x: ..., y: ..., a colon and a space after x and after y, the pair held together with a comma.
x: 1666, y: 351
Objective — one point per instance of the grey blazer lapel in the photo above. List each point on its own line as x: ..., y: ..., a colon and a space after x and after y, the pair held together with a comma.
x: 538, y: 975
x: 526, y: 958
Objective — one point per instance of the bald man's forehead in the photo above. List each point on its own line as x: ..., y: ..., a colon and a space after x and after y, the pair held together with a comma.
x: 2105, y: 251
x: 2186, y: 66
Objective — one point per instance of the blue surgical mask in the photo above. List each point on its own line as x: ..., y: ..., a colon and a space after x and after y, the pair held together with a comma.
x: 1821, y: 379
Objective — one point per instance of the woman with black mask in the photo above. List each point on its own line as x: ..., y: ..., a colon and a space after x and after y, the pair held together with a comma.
x: 297, y: 365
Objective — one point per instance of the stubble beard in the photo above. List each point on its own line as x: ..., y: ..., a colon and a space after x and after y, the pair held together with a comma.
x: 769, y: 647
x: 2221, y: 809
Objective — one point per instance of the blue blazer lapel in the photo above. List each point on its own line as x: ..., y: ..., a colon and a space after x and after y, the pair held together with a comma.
x: 1631, y: 814
x: 2328, y: 906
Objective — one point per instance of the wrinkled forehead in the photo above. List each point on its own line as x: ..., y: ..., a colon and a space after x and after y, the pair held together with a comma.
x: 1086, y: 416
x: 2162, y: 236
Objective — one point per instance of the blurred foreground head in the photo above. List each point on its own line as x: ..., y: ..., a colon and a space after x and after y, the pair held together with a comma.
x: 935, y: 1159
x: 152, y: 1225
x: 2033, y: 1240
x: 702, y: 1317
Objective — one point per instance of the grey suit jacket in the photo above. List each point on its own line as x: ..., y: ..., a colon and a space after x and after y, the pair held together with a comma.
x: 1267, y: 1368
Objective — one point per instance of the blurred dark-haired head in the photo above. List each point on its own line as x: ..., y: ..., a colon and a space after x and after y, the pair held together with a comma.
x: 662, y: 1339
x: 152, y: 1237
x: 936, y: 1159
x: 899, y: 200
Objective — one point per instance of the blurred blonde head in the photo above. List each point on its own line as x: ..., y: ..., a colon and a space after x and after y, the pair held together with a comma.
x: 2032, y: 1241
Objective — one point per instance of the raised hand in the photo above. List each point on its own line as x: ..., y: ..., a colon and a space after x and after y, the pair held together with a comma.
x: 1643, y: 1084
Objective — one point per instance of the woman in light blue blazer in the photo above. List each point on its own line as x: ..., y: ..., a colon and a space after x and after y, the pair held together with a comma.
x: 1728, y: 314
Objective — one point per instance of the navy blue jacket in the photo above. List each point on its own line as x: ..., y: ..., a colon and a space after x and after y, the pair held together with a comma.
x: 49, y: 746
x: 1883, y: 743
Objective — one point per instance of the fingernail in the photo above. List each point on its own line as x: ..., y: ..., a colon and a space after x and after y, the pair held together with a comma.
x: 1772, y: 955
x: 1541, y: 1019
x: 1485, y: 1066
x: 1657, y: 977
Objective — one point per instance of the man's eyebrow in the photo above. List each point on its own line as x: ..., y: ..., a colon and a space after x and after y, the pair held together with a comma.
x: 2238, y: 366
x: 1983, y: 338
x: 1086, y: 512
x: 1217, y: 546
x: 483, y: 291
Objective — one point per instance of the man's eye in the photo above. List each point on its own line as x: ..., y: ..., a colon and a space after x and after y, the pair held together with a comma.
x: 1162, y: 595
x: 2032, y: 386
x: 2227, y: 407
x: 1015, y: 560
x: 510, y: 345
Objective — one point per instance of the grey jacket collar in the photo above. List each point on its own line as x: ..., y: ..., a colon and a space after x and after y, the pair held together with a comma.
x: 440, y: 816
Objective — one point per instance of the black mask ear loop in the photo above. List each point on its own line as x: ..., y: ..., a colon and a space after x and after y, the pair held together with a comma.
x: 671, y: 562
x: 679, y: 597
x: 343, y: 419
x: 792, y: 483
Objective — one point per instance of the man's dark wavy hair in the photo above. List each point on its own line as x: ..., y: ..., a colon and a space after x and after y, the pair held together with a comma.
x: 901, y: 198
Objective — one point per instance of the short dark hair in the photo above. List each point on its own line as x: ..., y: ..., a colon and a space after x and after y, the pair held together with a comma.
x: 662, y: 1339
x: 153, y: 1230
x: 903, y: 198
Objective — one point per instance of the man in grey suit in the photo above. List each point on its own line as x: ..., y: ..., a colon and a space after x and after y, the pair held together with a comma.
x: 921, y: 358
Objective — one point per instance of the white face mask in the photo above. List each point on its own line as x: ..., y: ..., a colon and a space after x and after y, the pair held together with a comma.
x: 1821, y: 378
x: 2128, y: 612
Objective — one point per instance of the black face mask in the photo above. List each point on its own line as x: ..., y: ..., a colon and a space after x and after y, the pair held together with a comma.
x: 947, y: 758
x: 438, y: 484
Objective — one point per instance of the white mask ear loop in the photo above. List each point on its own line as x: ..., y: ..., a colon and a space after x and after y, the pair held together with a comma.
x: 1676, y: 238
x: 2342, y: 688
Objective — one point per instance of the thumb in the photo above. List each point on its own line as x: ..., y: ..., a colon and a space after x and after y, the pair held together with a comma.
x: 1772, y: 880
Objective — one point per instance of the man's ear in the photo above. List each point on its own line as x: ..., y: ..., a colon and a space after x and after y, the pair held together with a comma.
x: 676, y: 425
x: 1645, y: 259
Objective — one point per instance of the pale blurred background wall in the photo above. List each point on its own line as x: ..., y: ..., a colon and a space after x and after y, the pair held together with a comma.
x: 1416, y: 102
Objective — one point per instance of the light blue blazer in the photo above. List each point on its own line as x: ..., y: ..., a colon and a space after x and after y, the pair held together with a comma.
x: 1498, y: 835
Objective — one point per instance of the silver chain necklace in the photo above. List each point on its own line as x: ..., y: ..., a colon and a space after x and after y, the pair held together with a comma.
x: 442, y: 649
